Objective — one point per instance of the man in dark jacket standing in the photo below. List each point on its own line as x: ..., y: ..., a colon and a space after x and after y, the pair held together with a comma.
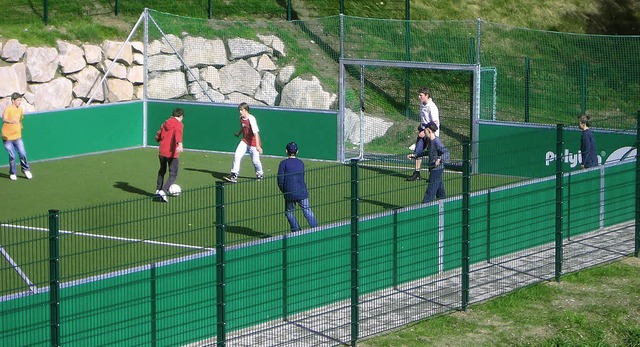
x: 588, y: 147
x: 292, y: 185
x: 170, y: 138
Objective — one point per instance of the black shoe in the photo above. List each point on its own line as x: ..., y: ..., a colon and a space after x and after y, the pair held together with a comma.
x: 414, y: 177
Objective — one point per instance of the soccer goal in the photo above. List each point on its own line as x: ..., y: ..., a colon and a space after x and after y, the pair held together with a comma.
x: 380, y: 109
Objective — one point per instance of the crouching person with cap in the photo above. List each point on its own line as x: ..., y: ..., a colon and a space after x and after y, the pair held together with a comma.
x: 292, y: 184
x: 12, y: 137
x: 438, y: 155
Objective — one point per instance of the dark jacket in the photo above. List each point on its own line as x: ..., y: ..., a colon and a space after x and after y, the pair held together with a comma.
x: 588, y: 149
x: 291, y: 179
x: 436, y: 150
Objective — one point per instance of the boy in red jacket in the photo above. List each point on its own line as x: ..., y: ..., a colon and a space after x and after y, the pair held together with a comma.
x: 170, y: 138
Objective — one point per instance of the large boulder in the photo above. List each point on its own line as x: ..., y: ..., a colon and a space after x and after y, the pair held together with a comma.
x: 14, y: 79
x: 42, y: 64
x: 301, y: 93
x: 13, y: 51
x: 52, y: 95
x: 243, y: 48
x: 239, y: 77
x: 168, y: 85
x: 71, y: 57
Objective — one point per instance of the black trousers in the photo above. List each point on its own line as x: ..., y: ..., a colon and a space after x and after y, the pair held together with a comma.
x: 172, y: 164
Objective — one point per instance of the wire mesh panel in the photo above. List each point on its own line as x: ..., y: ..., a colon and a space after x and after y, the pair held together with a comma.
x: 568, y: 75
x: 378, y: 118
x: 24, y: 282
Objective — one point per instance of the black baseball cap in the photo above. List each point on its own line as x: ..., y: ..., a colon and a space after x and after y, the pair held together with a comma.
x: 16, y: 96
x: 292, y: 147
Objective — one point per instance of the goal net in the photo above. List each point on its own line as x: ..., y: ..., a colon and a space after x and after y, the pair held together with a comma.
x: 380, y: 108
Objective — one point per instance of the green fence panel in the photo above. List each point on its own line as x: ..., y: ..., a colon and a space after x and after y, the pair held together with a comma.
x: 522, y: 217
x: 418, y: 243
x: 83, y: 130
x: 319, y: 268
x: 211, y: 127
x: 452, y: 241
x: 452, y: 238
x: 538, y: 142
x: 25, y: 321
x: 480, y: 219
x: 619, y: 193
x: 185, y: 301
x: 376, y: 257
x: 254, y: 284
x: 112, y: 311
x: 581, y: 202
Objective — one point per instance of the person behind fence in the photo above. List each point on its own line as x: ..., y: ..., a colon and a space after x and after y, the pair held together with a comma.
x: 587, y: 143
x: 250, y: 142
x: 292, y: 184
x: 12, y: 137
x: 428, y: 113
x: 418, y: 151
x: 437, y: 155
x: 170, y: 146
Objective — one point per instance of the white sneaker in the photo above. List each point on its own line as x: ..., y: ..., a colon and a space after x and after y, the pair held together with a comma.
x: 163, y: 196
x: 13, y: 177
x: 28, y: 174
x: 412, y: 147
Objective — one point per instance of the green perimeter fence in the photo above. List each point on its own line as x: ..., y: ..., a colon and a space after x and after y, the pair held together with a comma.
x: 530, y: 76
x: 218, y: 265
x: 280, y: 9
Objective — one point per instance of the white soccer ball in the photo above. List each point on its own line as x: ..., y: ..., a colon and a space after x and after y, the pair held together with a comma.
x: 175, y: 190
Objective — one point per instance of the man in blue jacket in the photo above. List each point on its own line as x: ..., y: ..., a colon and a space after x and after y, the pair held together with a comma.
x: 292, y: 185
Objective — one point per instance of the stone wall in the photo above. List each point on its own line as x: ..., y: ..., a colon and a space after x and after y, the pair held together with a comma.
x: 207, y: 70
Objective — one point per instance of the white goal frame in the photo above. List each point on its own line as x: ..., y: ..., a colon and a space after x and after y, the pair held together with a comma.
x: 475, y: 103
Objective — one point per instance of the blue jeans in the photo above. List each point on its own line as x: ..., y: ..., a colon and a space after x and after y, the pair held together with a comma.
x: 435, y: 188
x: 290, y: 207
x: 11, y: 147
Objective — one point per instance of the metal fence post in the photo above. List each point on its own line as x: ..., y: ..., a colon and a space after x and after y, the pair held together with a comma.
x: 394, y: 246
x: 466, y: 196
x: 285, y: 277
x: 54, y: 276
x: 559, y: 200
x: 527, y: 76
x: 407, y: 57
x: 355, y: 213
x: 220, y: 263
x: 45, y: 12
x: 154, y: 306
x: 637, y: 251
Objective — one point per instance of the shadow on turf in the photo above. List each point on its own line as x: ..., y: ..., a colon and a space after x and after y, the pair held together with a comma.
x: 217, y: 175
x: 389, y: 172
x: 380, y: 203
x: 246, y: 232
x: 131, y: 189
